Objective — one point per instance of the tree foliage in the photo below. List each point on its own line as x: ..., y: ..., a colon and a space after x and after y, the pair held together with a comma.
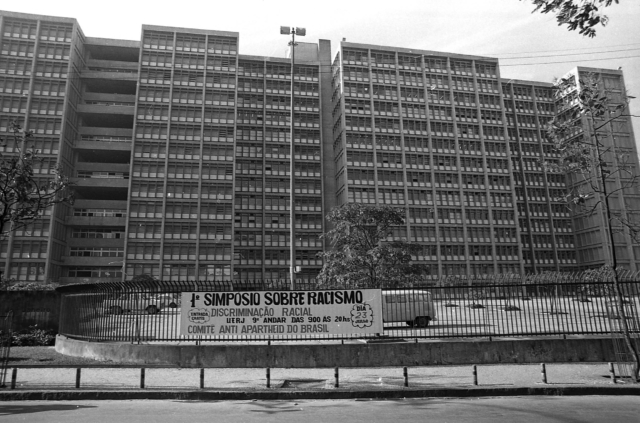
x: 24, y: 196
x: 143, y: 278
x: 600, y: 172
x: 363, y: 254
x: 12, y: 285
x: 582, y: 15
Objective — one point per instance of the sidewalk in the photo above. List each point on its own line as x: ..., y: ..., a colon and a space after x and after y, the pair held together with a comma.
x: 220, y: 384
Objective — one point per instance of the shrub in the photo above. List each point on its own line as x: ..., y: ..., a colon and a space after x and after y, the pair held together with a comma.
x: 13, y: 285
x: 34, y: 337
x: 477, y: 294
x: 3, y: 338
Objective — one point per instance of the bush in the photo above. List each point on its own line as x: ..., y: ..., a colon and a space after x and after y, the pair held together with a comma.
x: 3, y: 338
x: 477, y: 294
x: 34, y: 337
x: 13, y: 285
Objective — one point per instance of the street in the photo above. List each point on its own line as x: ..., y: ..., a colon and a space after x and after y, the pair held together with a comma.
x: 477, y: 410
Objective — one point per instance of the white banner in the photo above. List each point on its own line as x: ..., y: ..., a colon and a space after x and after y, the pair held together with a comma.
x: 281, y: 313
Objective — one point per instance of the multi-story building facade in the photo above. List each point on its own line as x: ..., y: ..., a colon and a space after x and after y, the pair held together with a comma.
x: 613, y: 135
x: 544, y: 220
x: 39, y: 65
x: 459, y: 148
x: 179, y: 148
x: 210, y: 181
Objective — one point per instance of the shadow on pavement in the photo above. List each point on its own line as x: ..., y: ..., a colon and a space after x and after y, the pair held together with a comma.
x: 6, y: 410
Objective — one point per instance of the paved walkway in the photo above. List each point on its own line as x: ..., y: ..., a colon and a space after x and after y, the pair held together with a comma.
x: 450, y: 381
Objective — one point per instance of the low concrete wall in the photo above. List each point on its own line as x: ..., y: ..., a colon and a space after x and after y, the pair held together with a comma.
x: 376, y: 354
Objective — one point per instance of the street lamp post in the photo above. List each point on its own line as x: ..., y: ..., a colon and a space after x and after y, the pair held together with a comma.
x: 292, y: 215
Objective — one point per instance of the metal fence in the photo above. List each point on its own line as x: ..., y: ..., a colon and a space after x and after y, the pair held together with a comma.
x: 5, y: 346
x: 150, y: 311
x: 624, y: 358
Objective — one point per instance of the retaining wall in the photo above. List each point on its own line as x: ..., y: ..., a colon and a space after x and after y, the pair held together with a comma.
x: 373, y: 354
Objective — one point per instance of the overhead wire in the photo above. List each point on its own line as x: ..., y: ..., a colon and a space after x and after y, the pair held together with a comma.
x: 567, y: 61
x: 558, y: 55
x: 542, y: 56
x: 570, y: 54
x: 525, y: 64
x: 569, y: 49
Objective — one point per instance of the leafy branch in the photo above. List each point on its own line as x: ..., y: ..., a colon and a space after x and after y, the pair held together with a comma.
x: 584, y: 15
x: 24, y: 196
x: 363, y: 253
x: 588, y: 161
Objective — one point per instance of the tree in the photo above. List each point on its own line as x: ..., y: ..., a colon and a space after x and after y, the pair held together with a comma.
x: 362, y: 254
x: 576, y: 14
x: 143, y: 278
x: 598, y: 173
x: 24, y: 196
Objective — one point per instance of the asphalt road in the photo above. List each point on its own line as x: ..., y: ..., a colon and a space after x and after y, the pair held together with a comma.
x: 512, y: 409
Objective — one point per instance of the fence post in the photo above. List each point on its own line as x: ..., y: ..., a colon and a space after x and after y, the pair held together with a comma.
x: 137, y: 326
x: 268, y: 377
x: 336, y: 374
x: 142, y: 378
x: 612, y: 373
x: 78, y: 371
x: 201, y: 378
x: 14, y: 377
x: 5, y: 346
x: 543, y: 370
x: 475, y: 374
x: 405, y: 373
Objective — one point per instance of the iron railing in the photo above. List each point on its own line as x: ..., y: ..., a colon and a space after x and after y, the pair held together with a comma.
x: 5, y: 345
x: 150, y: 311
x: 624, y: 357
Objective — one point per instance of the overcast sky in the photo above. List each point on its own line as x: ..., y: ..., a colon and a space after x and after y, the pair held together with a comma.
x: 527, y: 44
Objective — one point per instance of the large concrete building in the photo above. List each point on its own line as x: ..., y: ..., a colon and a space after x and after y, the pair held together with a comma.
x: 179, y: 150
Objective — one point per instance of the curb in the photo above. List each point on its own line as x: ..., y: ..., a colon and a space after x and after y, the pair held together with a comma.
x: 468, y: 392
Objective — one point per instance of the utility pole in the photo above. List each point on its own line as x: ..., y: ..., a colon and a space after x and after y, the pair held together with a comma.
x: 292, y: 214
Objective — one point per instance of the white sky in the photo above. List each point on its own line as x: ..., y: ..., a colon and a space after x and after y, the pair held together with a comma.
x: 500, y: 28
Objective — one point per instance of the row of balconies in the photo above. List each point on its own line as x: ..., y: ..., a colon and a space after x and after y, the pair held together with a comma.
x: 277, y: 262
x: 418, y: 68
x: 83, y: 221
x: 258, y: 172
x: 104, y: 162
x: 317, y: 244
